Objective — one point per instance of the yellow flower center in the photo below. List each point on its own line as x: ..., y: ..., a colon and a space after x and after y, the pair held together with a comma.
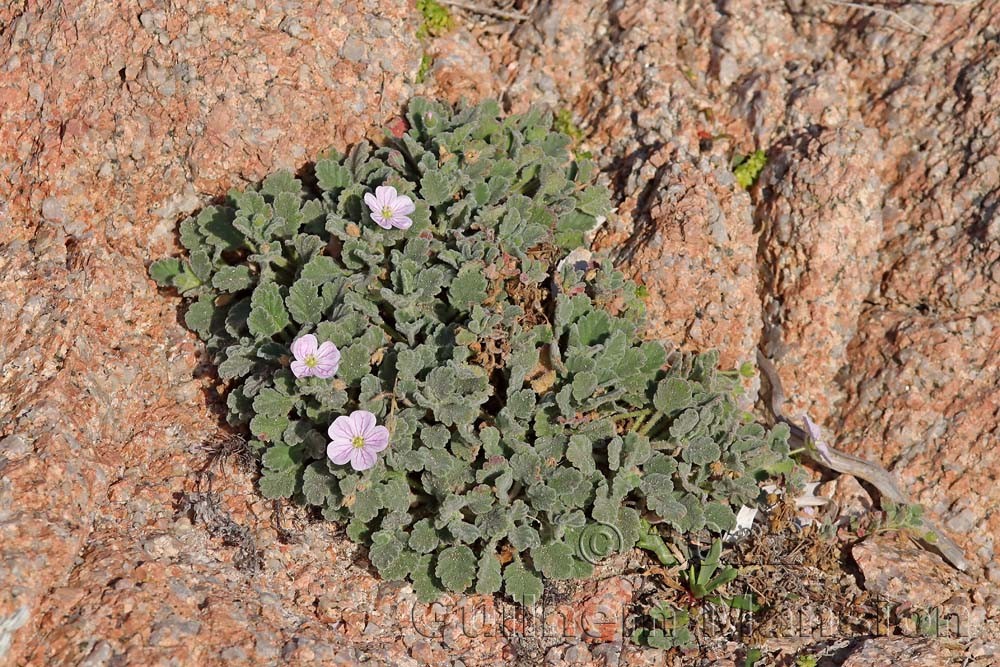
x: 387, y: 213
x: 311, y: 361
x: 358, y: 442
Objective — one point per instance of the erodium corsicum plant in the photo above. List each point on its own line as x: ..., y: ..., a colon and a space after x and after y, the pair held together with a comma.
x: 412, y: 357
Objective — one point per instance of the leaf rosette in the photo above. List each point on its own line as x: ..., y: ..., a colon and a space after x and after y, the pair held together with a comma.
x: 524, y: 406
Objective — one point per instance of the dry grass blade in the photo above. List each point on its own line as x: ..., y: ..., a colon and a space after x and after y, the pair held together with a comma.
x: 206, y: 509
x: 221, y: 447
x: 486, y: 11
x: 880, y: 10
x: 874, y: 8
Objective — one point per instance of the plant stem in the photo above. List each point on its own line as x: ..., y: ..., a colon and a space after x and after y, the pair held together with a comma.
x: 395, y: 335
x: 657, y: 416
x: 630, y: 415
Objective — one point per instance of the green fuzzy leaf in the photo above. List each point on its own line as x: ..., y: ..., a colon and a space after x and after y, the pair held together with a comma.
x: 526, y: 466
x: 304, y: 302
x: 278, y: 484
x: 318, y: 485
x: 521, y: 402
x: 355, y: 363
x: 395, y: 495
x: 523, y: 538
x: 186, y: 281
x: 321, y: 269
x: 308, y: 246
x: 201, y: 265
x: 591, y: 328
x: 232, y: 279
x: 571, y: 487
x: 425, y: 584
x: 332, y: 176
x: 235, y: 366
x: 191, y: 237
x: 684, y: 424
x: 271, y: 403
x: 436, y: 436
x: 469, y: 287
x: 662, y: 464
x: 637, y: 450
x: 701, y: 451
x: 164, y: 271
x: 523, y: 586
x: 413, y: 361
x: 267, y: 311
x: 595, y: 202
x: 251, y: 204
x: 268, y: 429
x: 199, y: 314
x: 672, y: 394
x: 489, y: 579
x: 580, y: 453
x: 236, y: 318
x: 423, y: 537
x: 390, y: 556
x: 625, y: 482
x: 554, y: 561
x: 456, y: 568
x: 661, y: 498
x: 280, y: 457
x: 719, y: 517
x: 367, y: 504
x: 436, y: 188
x: 584, y: 385
x: 572, y: 227
x: 614, y: 453
x: 279, y: 182
x: 694, y: 516
x: 464, y: 531
x: 217, y: 226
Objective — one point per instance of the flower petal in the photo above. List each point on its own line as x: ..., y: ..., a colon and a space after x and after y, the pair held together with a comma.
x: 340, y: 452
x: 404, y: 205
x: 362, y: 422
x: 377, y: 439
x: 401, y: 222
x: 362, y: 458
x: 340, y: 442
x: 325, y: 371
x: 341, y: 428
x: 385, y: 194
x: 811, y: 426
x: 372, y: 201
x: 304, y: 346
x: 381, y: 222
x: 300, y: 370
x: 328, y: 352
x: 814, y: 437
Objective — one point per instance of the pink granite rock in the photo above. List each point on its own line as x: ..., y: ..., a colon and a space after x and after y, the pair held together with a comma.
x: 879, y: 228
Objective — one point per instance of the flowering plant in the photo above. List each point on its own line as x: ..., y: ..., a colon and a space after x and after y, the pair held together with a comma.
x: 412, y: 356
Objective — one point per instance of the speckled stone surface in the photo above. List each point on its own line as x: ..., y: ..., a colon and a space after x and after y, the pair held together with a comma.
x: 875, y: 236
x: 115, y: 120
x: 867, y: 258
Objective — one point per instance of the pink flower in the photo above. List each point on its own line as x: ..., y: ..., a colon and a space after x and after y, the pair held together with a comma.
x: 390, y: 209
x: 356, y: 439
x: 814, y: 438
x: 321, y: 361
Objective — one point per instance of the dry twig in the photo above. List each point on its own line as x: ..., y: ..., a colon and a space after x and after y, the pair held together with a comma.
x: 874, y: 8
x: 486, y: 11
